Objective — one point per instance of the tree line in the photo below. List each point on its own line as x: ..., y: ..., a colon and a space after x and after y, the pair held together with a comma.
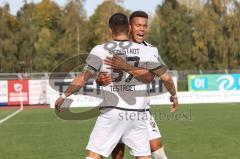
x: 43, y: 35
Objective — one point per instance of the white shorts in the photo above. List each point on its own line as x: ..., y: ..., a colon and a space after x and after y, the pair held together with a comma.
x: 115, y: 125
x: 152, y: 127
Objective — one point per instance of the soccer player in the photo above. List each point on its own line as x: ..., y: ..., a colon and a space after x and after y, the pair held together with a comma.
x: 122, y: 115
x: 139, y: 24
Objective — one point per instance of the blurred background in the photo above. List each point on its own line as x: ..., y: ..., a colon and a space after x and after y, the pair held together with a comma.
x: 193, y: 36
x: 42, y: 40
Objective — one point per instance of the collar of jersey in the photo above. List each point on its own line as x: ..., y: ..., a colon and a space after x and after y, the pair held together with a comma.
x: 120, y: 40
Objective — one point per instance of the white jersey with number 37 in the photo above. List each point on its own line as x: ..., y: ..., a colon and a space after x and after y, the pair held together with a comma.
x: 125, y: 91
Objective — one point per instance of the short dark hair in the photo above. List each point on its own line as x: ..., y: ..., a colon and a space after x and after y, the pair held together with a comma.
x: 118, y: 22
x: 138, y: 13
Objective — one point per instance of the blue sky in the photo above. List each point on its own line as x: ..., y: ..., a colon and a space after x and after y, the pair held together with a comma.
x: 90, y: 5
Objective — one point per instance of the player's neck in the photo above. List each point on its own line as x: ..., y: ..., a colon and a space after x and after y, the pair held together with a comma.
x: 131, y: 39
x: 121, y: 37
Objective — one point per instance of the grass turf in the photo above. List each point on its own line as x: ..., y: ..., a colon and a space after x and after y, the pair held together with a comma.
x: 204, y: 131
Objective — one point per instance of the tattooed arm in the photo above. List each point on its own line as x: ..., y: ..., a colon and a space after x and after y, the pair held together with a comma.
x: 75, y: 86
x: 168, y: 83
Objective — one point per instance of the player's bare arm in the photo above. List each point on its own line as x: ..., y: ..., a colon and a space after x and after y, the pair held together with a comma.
x: 75, y: 86
x: 139, y: 73
x: 169, y: 85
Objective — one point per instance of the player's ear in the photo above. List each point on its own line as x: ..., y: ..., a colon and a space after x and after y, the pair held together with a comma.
x: 129, y: 28
x: 110, y: 31
x: 129, y: 31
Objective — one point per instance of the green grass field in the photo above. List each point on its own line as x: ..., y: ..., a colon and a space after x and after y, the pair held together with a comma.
x: 204, y: 131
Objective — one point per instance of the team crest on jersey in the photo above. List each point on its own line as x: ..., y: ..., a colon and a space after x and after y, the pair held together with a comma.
x: 153, y: 124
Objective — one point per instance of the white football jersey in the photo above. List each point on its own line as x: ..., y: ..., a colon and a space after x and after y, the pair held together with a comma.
x: 155, y: 61
x: 156, y: 58
x: 125, y: 91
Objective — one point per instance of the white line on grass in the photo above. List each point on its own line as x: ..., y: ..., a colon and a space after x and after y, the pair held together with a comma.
x: 14, y: 113
x: 11, y: 115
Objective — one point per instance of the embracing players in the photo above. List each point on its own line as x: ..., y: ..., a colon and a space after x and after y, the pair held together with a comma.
x: 123, y: 94
x: 138, y: 28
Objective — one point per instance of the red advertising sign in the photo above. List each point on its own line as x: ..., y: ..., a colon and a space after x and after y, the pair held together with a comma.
x: 18, y: 91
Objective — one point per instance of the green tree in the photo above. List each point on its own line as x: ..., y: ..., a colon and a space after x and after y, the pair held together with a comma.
x: 46, y: 51
x: 48, y: 14
x: 225, y: 45
x: 48, y: 21
x: 205, y: 34
x: 236, y: 32
x: 26, y: 35
x: 73, y: 39
x: 8, y: 46
x: 170, y: 31
x: 198, y: 39
x: 229, y: 48
x: 98, y: 22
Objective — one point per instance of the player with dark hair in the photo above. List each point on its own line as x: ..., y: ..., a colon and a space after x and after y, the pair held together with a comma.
x: 111, y: 127
x: 139, y: 23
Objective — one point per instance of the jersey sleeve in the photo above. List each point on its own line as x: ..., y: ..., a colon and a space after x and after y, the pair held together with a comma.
x: 155, y: 61
x: 94, y: 60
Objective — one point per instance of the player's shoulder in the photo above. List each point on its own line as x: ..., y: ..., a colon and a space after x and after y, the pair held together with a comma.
x: 98, y: 47
x: 137, y: 44
x: 147, y: 44
x: 153, y: 49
